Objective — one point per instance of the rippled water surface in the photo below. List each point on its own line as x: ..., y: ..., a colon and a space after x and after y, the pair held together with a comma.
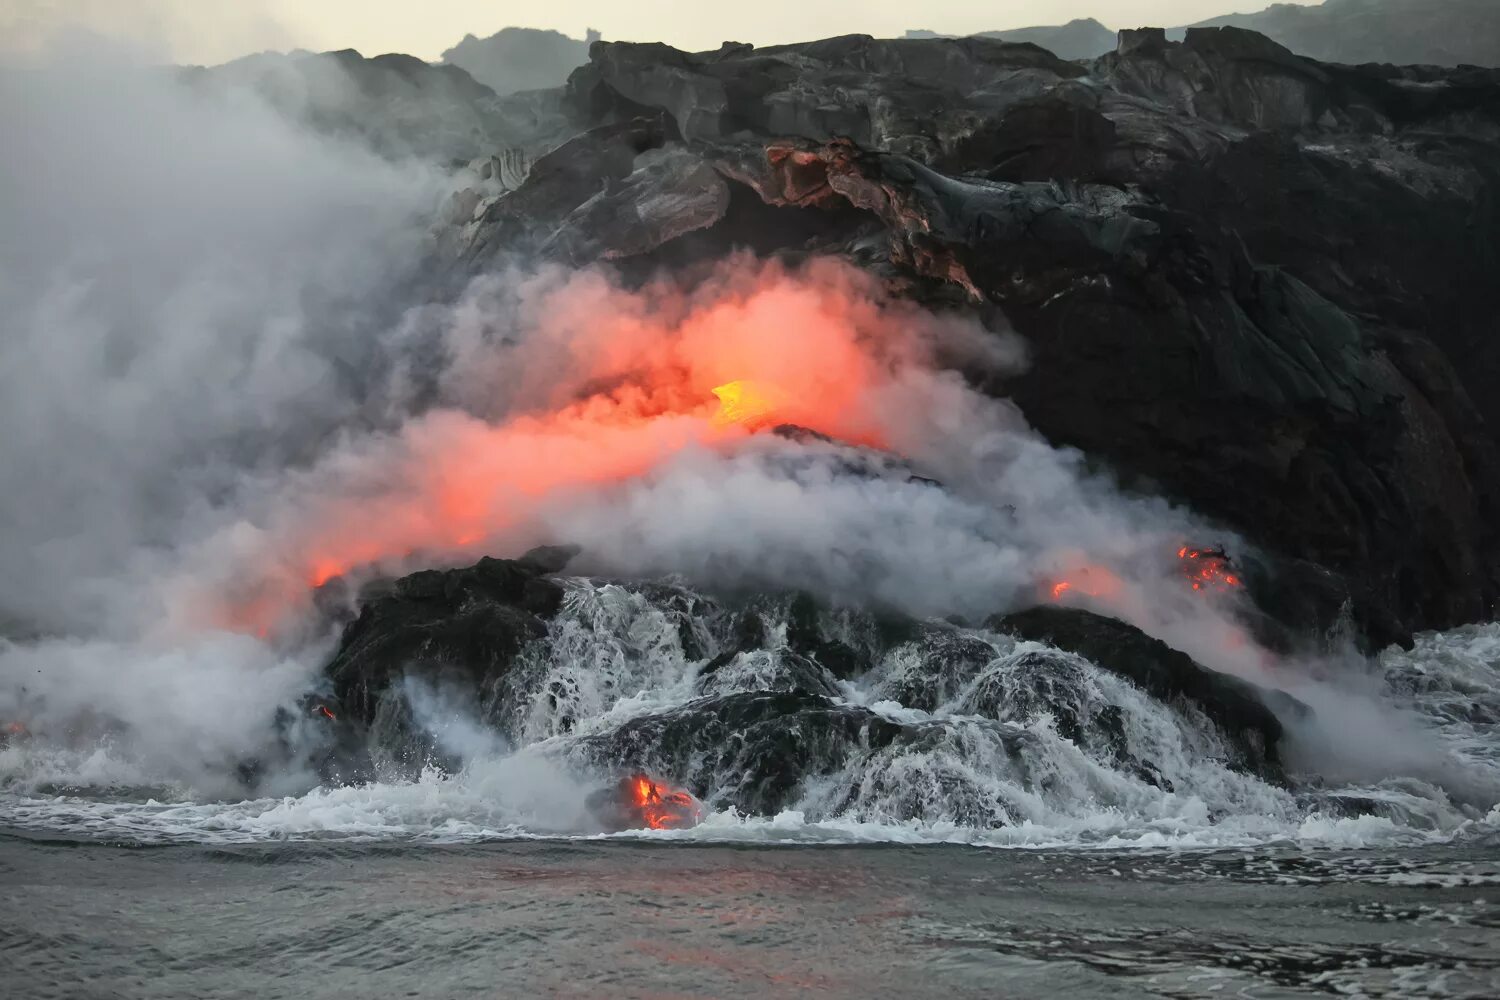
x: 641, y: 919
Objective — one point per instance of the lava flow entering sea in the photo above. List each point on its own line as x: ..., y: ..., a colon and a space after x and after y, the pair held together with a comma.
x: 636, y: 802
x: 1208, y: 569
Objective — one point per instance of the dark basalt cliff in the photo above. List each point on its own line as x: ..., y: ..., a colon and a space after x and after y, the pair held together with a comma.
x: 1254, y: 283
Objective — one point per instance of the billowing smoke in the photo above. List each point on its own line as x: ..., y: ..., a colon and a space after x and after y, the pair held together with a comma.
x: 193, y: 294
x: 191, y: 290
x: 634, y: 422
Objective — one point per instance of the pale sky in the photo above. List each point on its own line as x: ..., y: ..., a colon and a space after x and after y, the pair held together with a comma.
x: 210, y: 31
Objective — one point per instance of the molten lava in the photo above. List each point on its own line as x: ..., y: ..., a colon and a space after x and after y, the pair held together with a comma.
x: 636, y: 802
x: 1087, y: 581
x: 602, y: 386
x: 1208, y: 569
x: 749, y: 404
x: 663, y: 810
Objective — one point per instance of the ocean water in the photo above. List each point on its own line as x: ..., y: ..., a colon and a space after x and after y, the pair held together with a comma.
x: 643, y: 918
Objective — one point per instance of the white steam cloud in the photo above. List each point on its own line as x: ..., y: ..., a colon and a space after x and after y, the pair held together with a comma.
x: 190, y: 290
x: 192, y: 295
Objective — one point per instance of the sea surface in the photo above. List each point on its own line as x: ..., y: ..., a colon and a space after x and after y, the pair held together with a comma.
x: 636, y: 918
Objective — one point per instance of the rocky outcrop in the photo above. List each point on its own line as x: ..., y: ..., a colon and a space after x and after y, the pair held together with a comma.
x: 765, y: 714
x: 1238, y: 708
x: 765, y: 744
x: 456, y: 629
x: 1252, y: 282
x: 906, y: 96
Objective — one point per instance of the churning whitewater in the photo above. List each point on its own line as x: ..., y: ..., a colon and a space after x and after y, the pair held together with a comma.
x: 1003, y: 743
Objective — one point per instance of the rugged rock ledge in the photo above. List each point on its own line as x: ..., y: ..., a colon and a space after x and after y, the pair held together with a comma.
x: 766, y: 717
x: 1161, y: 671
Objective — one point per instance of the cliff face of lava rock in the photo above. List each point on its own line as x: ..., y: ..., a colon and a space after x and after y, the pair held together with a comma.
x: 1255, y: 283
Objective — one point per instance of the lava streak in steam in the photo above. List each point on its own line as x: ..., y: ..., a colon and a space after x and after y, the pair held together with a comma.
x: 602, y: 385
x: 1087, y: 580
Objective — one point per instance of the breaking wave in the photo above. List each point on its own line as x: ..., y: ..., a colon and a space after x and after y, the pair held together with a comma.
x: 952, y: 735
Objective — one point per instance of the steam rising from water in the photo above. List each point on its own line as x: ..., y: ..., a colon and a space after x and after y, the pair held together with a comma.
x: 223, y: 386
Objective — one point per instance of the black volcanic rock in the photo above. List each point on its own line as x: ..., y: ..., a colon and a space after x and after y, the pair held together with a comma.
x: 1238, y: 708
x: 1224, y: 75
x: 612, y: 192
x: 755, y: 749
x: 1426, y: 32
x: 900, y: 94
x: 457, y: 629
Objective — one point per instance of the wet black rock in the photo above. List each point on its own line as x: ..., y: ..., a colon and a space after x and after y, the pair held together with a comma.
x: 752, y: 751
x: 933, y: 666
x: 1238, y: 708
x: 456, y: 630
x: 765, y: 670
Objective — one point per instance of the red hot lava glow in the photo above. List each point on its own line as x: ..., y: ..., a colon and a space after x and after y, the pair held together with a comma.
x: 663, y: 809
x: 1208, y: 569
x: 1205, y: 570
x: 1088, y: 581
x: 612, y: 384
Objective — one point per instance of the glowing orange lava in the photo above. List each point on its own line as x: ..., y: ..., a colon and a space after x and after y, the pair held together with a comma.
x: 1088, y: 581
x: 749, y: 404
x: 614, y: 384
x: 663, y: 810
x: 324, y: 570
x: 1208, y: 569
